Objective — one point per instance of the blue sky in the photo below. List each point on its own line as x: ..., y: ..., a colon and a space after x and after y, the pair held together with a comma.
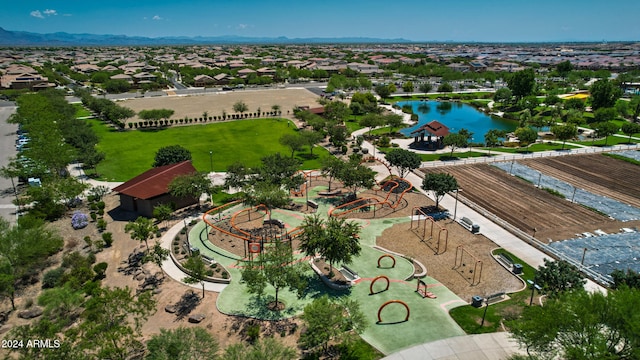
x: 418, y: 20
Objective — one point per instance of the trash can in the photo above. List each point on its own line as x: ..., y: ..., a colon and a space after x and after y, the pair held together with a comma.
x: 476, y: 301
x: 517, y: 269
x: 475, y: 228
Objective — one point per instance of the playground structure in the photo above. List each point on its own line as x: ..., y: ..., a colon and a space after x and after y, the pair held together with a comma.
x: 254, y: 240
x: 461, y: 266
x: 398, y: 186
x: 308, y: 177
x: 422, y: 290
x: 422, y: 216
x: 374, y: 281
x: 391, y: 302
x: 387, y: 256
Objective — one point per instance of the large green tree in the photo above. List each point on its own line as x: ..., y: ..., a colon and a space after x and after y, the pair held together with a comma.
x: 526, y: 136
x: 294, y: 142
x: 171, y: 154
x: 630, y: 129
x: 522, y: 83
x: 23, y: 250
x: 193, y: 343
x: 191, y: 185
x: 113, y: 320
x: 556, y: 277
x: 403, y: 160
x: 371, y: 121
x: 440, y: 184
x: 326, y: 321
x: 493, y: 138
x: 605, y: 129
x: 355, y: 175
x: 197, y: 270
x: 266, y: 349
x: 564, y: 132
x: 604, y: 94
x: 454, y: 141
x: 393, y: 121
x: 142, y: 229
x: 274, y: 266
x: 336, y: 240
x: 582, y: 325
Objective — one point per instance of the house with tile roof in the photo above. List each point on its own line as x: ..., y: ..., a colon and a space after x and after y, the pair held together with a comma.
x: 151, y: 188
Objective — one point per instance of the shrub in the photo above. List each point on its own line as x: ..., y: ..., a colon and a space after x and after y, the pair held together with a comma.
x: 101, y: 224
x: 107, y: 238
x: 51, y: 278
x: 100, y: 270
x: 79, y: 220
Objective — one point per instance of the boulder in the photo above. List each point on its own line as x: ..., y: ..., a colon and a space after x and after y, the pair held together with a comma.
x: 31, y: 313
x: 171, y: 309
x: 196, y: 318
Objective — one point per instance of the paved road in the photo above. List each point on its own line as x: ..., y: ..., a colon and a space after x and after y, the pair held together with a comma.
x: 7, y: 149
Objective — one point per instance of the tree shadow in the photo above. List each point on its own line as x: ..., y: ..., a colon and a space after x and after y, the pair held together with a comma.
x: 188, y: 302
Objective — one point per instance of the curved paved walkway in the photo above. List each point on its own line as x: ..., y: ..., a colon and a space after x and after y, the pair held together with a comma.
x: 492, y: 346
x: 172, y: 270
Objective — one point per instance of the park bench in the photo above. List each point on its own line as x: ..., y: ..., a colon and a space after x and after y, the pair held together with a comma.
x: 312, y: 204
x: 466, y: 223
x: 208, y: 259
x: 469, y: 225
x: 350, y: 271
x: 494, y: 298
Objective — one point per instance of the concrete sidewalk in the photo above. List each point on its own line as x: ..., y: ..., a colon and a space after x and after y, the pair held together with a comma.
x: 172, y: 270
x: 492, y: 346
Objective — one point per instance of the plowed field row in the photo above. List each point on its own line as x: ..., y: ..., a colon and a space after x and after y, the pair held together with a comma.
x: 522, y: 204
x: 596, y: 173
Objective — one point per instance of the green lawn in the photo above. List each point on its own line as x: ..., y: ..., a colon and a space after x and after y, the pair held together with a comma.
x: 129, y: 153
x: 611, y: 140
x: 81, y: 111
x: 533, y: 148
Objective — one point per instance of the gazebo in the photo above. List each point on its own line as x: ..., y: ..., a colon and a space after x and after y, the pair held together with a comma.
x: 432, y: 129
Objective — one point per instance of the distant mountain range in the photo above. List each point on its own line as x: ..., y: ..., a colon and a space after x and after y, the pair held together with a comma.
x: 23, y: 38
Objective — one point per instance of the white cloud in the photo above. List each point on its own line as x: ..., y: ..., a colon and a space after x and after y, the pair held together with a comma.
x: 156, y: 17
x: 41, y: 14
x: 242, y: 26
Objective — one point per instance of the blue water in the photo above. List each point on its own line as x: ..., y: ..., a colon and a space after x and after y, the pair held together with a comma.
x: 455, y: 116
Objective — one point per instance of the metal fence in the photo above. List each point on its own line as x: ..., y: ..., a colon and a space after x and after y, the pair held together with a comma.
x: 534, y: 155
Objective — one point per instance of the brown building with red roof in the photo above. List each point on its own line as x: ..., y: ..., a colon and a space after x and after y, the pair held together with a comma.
x: 151, y: 188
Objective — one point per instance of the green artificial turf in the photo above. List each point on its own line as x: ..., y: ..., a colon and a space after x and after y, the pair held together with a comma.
x: 130, y: 153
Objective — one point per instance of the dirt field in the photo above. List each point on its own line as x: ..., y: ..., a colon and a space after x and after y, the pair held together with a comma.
x: 214, y: 104
x: 596, y: 173
x: 523, y: 205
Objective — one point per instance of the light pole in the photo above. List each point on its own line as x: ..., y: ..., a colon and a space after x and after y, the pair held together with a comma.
x: 455, y: 208
x: 534, y: 286
x: 584, y: 253
x: 211, y: 159
x: 539, y: 179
